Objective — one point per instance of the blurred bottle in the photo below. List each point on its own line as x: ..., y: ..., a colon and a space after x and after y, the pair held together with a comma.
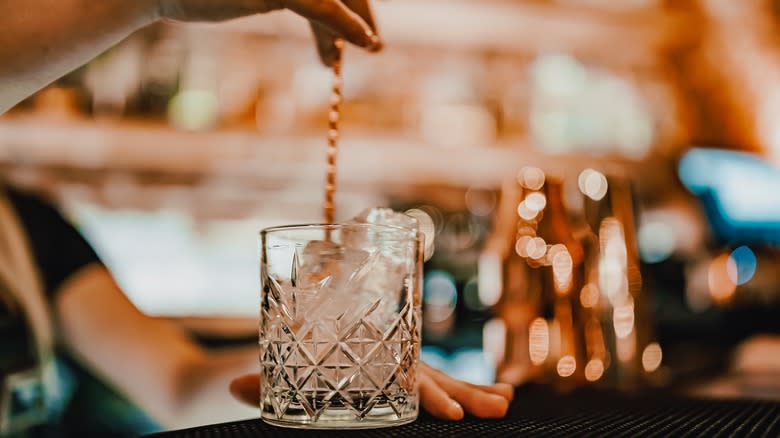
x: 505, y: 284
x: 617, y: 315
x: 541, y: 264
x: 562, y: 272
x: 570, y: 290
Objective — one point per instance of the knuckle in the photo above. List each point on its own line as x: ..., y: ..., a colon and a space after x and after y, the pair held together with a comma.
x: 329, y: 8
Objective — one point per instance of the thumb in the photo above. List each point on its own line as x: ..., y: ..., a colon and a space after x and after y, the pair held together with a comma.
x: 247, y: 389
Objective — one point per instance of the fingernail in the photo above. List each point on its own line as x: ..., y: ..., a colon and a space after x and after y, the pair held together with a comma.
x: 376, y: 44
x: 372, y: 41
x: 456, y: 411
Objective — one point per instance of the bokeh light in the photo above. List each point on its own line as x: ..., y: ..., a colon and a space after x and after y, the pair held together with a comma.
x: 521, y: 246
x: 536, y: 248
x: 472, y: 365
x: 589, y: 296
x: 612, y: 240
x: 471, y: 295
x: 594, y: 369
x: 536, y: 201
x: 193, y: 109
x: 490, y: 281
x: 553, y: 251
x: 719, y: 282
x: 435, y: 214
x: 538, y: 341
x: 427, y: 227
x: 461, y: 231
x: 440, y: 296
x: 743, y: 267
x: 562, y: 266
x: 480, y: 202
x: 623, y: 319
x: 494, y: 339
x: 613, y: 280
x: 531, y: 178
x: 657, y: 241
x: 559, y: 75
x: 526, y: 212
x: 626, y: 348
x: 566, y: 366
x: 593, y: 184
x: 652, y: 357
x: 434, y: 356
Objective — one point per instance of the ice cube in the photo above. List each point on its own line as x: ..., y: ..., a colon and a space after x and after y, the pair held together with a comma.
x: 324, y: 278
x: 365, y: 272
x: 393, y: 263
x: 327, y: 264
x: 386, y: 216
x: 390, y: 217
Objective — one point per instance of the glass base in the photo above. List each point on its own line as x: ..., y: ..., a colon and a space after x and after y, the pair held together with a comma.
x: 339, y: 418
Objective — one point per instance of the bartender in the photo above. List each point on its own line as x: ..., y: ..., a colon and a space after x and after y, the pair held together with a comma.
x: 83, y: 311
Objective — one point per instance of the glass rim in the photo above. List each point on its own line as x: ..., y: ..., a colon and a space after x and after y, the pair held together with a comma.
x: 411, y: 233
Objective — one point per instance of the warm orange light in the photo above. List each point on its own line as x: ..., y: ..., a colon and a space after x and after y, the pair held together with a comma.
x: 562, y: 266
x: 613, y: 279
x: 720, y: 283
x: 531, y: 178
x: 623, y: 319
x: 593, y: 184
x: 652, y: 357
x: 552, y: 251
x: 594, y: 369
x: 626, y: 348
x: 526, y: 212
x: 494, y: 339
x: 536, y: 201
x: 521, y: 246
x: 566, y: 366
x: 589, y: 296
x: 536, y: 248
x: 525, y: 230
x: 538, y: 341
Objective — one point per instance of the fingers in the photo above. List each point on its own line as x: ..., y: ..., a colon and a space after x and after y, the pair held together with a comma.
x: 503, y: 389
x: 481, y: 401
x: 326, y: 43
x: 362, y: 8
x: 336, y: 17
x: 247, y: 389
x: 325, y: 38
x: 436, y: 401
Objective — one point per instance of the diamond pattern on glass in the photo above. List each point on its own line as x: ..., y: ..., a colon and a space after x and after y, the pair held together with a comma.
x: 355, y: 359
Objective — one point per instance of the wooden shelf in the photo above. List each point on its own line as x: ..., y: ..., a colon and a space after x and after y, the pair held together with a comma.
x: 369, y: 161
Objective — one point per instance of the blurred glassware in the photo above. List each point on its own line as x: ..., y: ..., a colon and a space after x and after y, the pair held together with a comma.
x: 570, y: 294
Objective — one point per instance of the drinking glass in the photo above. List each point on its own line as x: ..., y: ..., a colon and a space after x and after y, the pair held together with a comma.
x: 340, y: 325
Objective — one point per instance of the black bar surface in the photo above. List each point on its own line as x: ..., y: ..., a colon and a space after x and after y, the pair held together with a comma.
x: 538, y: 411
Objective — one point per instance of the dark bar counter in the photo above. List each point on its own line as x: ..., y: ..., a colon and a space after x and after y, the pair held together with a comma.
x: 539, y: 411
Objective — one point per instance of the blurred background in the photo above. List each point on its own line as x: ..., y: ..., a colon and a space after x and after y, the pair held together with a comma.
x: 600, y: 177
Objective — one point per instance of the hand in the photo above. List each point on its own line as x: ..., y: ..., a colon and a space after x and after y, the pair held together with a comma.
x: 348, y: 19
x: 326, y: 37
x: 442, y: 395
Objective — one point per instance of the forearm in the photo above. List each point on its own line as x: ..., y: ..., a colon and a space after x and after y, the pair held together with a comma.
x: 41, y: 40
x: 203, y: 393
x: 151, y: 361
